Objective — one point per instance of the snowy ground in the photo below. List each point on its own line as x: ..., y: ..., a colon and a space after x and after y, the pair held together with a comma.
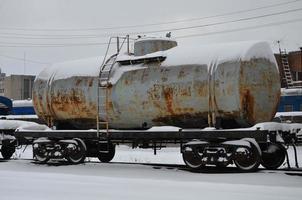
x: 134, y: 174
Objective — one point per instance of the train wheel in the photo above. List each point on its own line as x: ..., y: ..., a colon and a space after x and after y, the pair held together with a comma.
x: 192, y: 158
x: 274, y: 156
x: 247, y: 159
x: 78, y: 153
x: 7, y: 151
x: 107, y: 157
x: 40, y: 153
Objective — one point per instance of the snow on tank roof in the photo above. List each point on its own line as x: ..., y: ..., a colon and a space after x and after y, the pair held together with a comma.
x: 180, y: 55
x: 82, y: 67
x: 219, y: 53
x: 124, y: 57
x: 207, y: 54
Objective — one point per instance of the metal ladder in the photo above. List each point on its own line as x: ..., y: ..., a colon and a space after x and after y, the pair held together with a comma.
x: 286, y: 70
x: 103, y: 92
x: 104, y: 85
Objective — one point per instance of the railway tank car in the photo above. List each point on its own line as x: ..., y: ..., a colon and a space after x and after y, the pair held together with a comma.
x: 163, y: 83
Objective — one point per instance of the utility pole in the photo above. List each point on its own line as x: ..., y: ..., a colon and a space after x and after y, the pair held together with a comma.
x: 24, y: 64
x: 301, y: 59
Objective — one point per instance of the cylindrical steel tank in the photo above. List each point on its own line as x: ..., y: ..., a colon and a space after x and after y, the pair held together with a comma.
x: 236, y: 85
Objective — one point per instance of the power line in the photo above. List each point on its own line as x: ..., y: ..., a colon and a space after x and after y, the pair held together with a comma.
x: 22, y: 59
x: 183, y: 28
x: 241, y: 29
x: 220, y: 23
x: 2, y: 44
x: 180, y: 37
x: 156, y: 24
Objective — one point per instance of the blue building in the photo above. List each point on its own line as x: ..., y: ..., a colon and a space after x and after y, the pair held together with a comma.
x: 291, y: 100
x: 18, y: 107
x: 23, y: 107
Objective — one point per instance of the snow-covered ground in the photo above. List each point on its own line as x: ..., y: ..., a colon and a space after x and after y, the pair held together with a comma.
x: 134, y: 174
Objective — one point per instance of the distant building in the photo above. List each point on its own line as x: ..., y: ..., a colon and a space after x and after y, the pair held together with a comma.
x: 2, y: 77
x: 18, y: 87
x: 295, y: 65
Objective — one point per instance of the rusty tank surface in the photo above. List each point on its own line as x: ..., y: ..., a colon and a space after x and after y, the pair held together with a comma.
x: 229, y: 85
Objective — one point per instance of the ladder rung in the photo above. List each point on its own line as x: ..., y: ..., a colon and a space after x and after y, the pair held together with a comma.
x: 109, y: 63
x: 106, y: 74
x: 107, y: 67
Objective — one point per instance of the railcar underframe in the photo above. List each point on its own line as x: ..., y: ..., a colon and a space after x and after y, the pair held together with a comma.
x: 247, y: 149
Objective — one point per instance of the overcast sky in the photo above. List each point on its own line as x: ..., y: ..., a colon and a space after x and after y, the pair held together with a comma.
x: 42, y: 31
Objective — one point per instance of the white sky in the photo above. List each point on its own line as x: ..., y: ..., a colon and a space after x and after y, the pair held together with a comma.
x: 19, y: 21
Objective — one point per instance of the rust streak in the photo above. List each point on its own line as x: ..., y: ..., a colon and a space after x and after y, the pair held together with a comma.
x: 168, y: 95
x: 247, y: 105
x: 90, y: 82
x: 78, y: 81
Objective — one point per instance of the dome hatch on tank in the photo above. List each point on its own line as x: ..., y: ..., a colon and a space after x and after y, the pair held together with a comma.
x: 145, y: 46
